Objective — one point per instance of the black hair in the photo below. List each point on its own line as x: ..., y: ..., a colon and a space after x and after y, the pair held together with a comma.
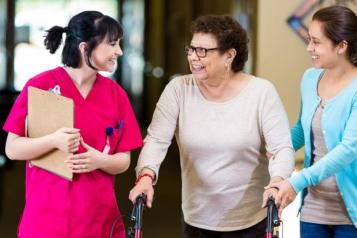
x: 228, y: 33
x: 340, y: 23
x: 91, y: 27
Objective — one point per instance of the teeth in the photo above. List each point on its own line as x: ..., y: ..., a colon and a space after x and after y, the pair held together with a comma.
x: 314, y: 57
x: 197, y: 66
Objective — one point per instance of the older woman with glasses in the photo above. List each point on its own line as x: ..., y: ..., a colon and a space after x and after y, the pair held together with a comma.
x: 223, y: 119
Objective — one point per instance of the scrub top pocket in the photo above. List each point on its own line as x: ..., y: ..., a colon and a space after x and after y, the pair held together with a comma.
x: 113, y: 136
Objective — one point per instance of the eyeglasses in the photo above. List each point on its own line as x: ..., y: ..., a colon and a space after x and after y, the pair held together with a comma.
x: 200, y: 51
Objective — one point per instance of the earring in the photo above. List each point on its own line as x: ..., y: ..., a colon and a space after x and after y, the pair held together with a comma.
x: 228, y: 65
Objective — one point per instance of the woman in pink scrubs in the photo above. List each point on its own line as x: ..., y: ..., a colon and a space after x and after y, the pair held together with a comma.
x: 105, y: 131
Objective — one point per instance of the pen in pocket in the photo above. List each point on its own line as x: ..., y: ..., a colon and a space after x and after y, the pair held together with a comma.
x: 120, y: 125
x: 108, y: 133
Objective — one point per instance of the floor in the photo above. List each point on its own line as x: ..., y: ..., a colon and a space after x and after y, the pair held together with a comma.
x: 162, y: 220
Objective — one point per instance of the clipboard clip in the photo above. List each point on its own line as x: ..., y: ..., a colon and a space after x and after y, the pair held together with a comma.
x: 56, y: 90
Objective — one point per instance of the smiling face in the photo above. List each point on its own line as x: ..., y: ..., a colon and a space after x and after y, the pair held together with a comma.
x: 105, y: 55
x: 211, y: 66
x: 324, y: 53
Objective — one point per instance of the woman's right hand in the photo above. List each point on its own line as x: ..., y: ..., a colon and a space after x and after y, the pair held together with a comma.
x: 66, y: 139
x: 144, y: 185
x: 286, y: 194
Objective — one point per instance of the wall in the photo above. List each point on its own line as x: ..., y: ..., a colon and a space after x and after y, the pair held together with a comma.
x: 281, y: 56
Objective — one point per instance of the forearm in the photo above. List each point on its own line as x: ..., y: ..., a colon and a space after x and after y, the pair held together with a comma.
x: 24, y: 148
x: 332, y: 163
x: 160, y: 132
x: 283, y: 163
x: 115, y: 164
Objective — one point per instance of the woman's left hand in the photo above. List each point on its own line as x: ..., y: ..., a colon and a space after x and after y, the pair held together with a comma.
x: 271, y: 191
x: 85, y: 162
x: 286, y: 194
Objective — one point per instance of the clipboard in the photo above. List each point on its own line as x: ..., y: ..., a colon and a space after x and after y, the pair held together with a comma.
x: 47, y: 112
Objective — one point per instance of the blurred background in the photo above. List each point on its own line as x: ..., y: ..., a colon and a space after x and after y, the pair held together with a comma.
x: 155, y: 32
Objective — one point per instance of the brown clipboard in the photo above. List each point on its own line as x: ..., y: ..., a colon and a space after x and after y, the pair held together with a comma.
x: 48, y: 112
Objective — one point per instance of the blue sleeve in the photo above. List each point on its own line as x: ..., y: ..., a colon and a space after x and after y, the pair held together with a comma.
x: 343, y: 155
x: 297, y: 133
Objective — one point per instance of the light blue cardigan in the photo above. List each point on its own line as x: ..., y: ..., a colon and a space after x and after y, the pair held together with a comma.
x: 339, y: 126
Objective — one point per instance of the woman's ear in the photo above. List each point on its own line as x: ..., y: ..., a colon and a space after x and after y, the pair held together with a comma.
x: 342, y: 47
x: 82, y: 47
x: 231, y: 53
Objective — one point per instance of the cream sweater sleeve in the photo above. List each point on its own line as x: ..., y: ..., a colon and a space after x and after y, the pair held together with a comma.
x: 276, y: 133
x: 161, y: 130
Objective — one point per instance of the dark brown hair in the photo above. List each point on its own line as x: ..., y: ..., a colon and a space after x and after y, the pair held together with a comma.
x: 228, y: 33
x: 340, y: 23
x: 91, y: 27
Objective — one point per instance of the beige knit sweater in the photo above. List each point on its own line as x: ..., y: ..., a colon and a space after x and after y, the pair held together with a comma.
x: 222, y: 150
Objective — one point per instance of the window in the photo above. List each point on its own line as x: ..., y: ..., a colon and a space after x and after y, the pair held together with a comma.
x: 2, y: 44
x: 32, y: 19
x: 133, y: 62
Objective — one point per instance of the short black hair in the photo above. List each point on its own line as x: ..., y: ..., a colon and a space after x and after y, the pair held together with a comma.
x: 91, y: 27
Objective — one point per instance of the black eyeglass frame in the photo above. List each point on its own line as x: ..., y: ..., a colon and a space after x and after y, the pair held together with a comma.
x: 201, y: 52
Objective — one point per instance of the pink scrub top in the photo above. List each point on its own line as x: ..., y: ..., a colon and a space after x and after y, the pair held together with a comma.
x: 87, y: 206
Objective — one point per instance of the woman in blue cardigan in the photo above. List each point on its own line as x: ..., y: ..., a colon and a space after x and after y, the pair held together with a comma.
x: 327, y: 127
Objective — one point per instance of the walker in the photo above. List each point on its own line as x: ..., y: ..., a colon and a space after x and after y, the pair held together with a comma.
x: 136, y: 217
x: 272, y: 220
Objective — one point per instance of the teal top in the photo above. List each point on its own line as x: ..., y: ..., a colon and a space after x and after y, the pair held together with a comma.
x: 339, y: 126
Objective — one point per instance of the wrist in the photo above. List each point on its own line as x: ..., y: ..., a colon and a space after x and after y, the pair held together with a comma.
x: 51, y: 138
x: 146, y: 176
x: 103, y: 161
x: 276, y: 179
